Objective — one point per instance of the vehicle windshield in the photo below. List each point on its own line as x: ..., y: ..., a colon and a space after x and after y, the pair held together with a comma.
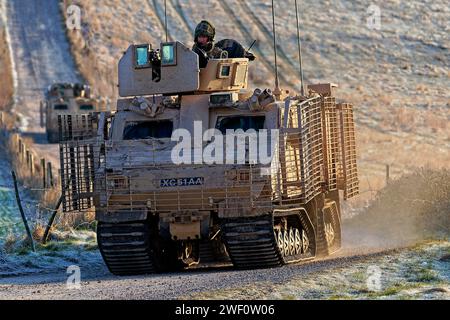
x: 60, y: 107
x: 158, y: 129
x: 240, y: 122
x: 86, y: 107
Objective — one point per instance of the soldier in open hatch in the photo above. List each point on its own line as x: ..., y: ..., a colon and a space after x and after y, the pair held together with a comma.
x: 204, y: 43
x: 206, y: 49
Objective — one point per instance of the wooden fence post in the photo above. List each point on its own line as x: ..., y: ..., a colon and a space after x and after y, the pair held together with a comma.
x: 31, y: 164
x: 50, y: 222
x: 16, y: 140
x: 22, y: 155
x: 19, y: 204
x: 20, y: 147
x: 387, y: 174
x: 50, y: 174
x: 44, y: 173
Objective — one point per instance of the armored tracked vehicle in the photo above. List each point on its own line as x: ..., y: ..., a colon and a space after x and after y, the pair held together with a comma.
x: 64, y: 99
x: 174, y: 176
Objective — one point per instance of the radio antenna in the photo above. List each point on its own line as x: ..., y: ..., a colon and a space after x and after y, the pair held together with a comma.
x: 277, y: 84
x: 302, y: 87
x: 254, y: 41
x: 165, y: 17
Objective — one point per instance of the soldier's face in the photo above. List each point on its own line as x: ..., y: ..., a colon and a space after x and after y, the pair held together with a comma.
x: 202, y: 40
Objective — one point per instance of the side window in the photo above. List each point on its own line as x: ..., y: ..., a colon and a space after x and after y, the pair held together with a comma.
x: 142, y: 56
x: 224, y: 71
x: 60, y: 106
x: 86, y: 107
x: 148, y: 129
x: 240, y: 122
x: 169, y: 54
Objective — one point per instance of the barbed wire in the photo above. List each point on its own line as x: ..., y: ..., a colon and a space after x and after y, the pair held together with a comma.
x: 27, y: 187
x: 5, y: 226
x: 46, y: 208
x: 15, y: 201
x: 13, y: 226
x: 25, y: 202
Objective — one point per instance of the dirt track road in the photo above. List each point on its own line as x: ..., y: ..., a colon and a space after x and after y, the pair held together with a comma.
x: 417, y: 272
x: 99, y: 284
x: 41, y: 54
x: 222, y: 282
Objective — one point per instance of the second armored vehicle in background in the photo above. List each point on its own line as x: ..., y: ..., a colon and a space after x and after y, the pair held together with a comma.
x: 66, y: 98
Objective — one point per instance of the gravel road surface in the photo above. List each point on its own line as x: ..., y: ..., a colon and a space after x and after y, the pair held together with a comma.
x: 99, y: 284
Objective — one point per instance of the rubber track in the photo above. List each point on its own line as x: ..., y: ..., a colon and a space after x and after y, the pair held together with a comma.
x: 251, y: 242
x: 125, y: 247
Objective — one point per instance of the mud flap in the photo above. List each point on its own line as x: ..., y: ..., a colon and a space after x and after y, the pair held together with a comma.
x: 329, y: 229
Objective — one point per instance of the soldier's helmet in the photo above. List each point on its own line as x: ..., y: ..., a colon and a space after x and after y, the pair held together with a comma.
x: 205, y: 28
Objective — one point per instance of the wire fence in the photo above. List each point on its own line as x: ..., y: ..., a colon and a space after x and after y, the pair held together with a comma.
x: 10, y: 220
x: 36, y: 210
x: 37, y: 183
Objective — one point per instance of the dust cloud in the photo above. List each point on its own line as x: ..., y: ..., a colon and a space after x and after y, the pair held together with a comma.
x: 410, y: 209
